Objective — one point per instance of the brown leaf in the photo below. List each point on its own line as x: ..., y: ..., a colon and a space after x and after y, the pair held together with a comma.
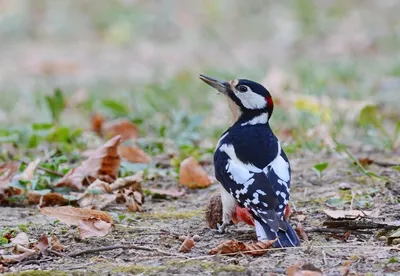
x: 92, y: 227
x: 103, y: 164
x: 365, y: 161
x: 193, y: 175
x: 123, y: 127
x: 304, y: 270
x: 56, y: 244
x: 214, y: 211
x: 15, y: 258
x: 49, y: 199
x: 7, y: 171
x: 21, y: 239
x: 97, y: 123
x: 132, y: 180
x: 97, y: 196
x: 134, y: 154
x: 300, y: 217
x: 187, y: 245
x: 234, y: 246
x: 300, y: 231
x: 133, y: 199
x: 72, y: 216
x: 43, y: 243
x: 173, y: 192
x: 29, y: 171
x: 349, y: 214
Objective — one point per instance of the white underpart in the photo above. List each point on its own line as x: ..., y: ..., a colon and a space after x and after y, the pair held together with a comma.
x: 251, y: 100
x: 228, y: 205
x: 261, y: 119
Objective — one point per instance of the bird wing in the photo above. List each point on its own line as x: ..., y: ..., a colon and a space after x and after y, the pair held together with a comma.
x: 251, y: 187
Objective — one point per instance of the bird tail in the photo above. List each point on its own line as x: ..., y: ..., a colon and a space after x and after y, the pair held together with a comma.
x: 286, y: 238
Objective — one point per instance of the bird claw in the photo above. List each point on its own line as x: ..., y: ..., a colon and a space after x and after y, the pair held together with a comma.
x: 222, y: 227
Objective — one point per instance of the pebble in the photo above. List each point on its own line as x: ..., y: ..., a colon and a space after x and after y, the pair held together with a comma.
x: 196, y: 238
x: 383, y: 238
x: 396, y: 241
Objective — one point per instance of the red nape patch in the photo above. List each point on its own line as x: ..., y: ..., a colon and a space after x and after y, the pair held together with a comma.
x: 270, y: 102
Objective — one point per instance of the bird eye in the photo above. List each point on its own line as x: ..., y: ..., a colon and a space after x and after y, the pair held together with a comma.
x: 242, y: 88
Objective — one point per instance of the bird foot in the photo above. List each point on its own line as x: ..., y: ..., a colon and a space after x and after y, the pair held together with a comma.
x: 222, y: 227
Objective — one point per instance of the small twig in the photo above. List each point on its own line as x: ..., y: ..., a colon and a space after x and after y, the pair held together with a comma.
x: 45, y: 169
x: 353, y: 195
x: 356, y: 224
x: 337, y: 231
x: 113, y: 247
x: 58, y: 254
x: 324, y: 257
x: 384, y: 164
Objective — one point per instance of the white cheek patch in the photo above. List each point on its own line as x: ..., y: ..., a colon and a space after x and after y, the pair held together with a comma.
x: 251, y: 100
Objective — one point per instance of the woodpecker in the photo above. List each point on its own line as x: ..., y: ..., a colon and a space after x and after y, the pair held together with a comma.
x: 250, y: 163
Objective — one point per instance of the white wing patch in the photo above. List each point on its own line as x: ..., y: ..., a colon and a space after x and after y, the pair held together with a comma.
x: 230, y: 151
x: 238, y: 173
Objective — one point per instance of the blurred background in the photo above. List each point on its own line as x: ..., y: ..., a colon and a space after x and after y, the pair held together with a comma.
x: 333, y: 67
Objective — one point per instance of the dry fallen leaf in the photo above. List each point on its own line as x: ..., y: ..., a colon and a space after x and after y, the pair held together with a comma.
x: 133, y: 199
x: 29, y: 171
x: 15, y: 258
x: 187, y: 245
x: 132, y: 180
x: 92, y: 227
x: 234, y: 246
x: 97, y: 121
x: 193, y: 175
x: 49, y: 199
x: 134, y: 154
x: 349, y: 214
x: 123, y: 127
x: 43, y: 243
x: 304, y: 270
x: 7, y: 171
x: 97, y: 196
x: 172, y: 192
x: 72, y: 216
x: 56, y: 245
x: 21, y: 239
x: 365, y: 161
x: 103, y: 164
x: 300, y: 231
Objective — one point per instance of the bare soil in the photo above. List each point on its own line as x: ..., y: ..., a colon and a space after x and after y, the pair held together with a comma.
x: 163, y: 221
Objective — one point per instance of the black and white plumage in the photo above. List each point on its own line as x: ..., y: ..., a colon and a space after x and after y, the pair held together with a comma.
x: 250, y: 163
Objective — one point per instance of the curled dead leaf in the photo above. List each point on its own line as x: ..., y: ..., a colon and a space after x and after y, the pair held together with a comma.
x: 72, y: 216
x: 133, y: 199
x: 234, y: 246
x: 303, y: 270
x: 29, y: 171
x: 97, y: 196
x: 15, y: 258
x: 346, y: 214
x: 21, y: 239
x: 187, y: 245
x: 132, y: 180
x: 214, y: 211
x: 103, y: 164
x: 56, y: 245
x: 163, y: 193
x: 193, y: 175
x: 49, y: 199
x: 43, y: 243
x: 93, y: 227
x: 7, y: 171
x: 97, y: 121
x: 123, y: 127
x: 134, y: 154
x: 300, y: 231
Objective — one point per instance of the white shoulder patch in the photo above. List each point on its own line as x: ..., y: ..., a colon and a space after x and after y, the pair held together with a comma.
x: 230, y: 151
x: 280, y: 166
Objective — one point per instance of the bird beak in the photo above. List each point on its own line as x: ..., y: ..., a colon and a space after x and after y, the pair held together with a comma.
x: 221, y: 86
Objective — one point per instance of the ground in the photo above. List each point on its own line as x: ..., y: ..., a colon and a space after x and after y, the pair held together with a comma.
x: 332, y: 68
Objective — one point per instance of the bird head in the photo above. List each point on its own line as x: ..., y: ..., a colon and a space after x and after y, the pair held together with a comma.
x: 246, y: 98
